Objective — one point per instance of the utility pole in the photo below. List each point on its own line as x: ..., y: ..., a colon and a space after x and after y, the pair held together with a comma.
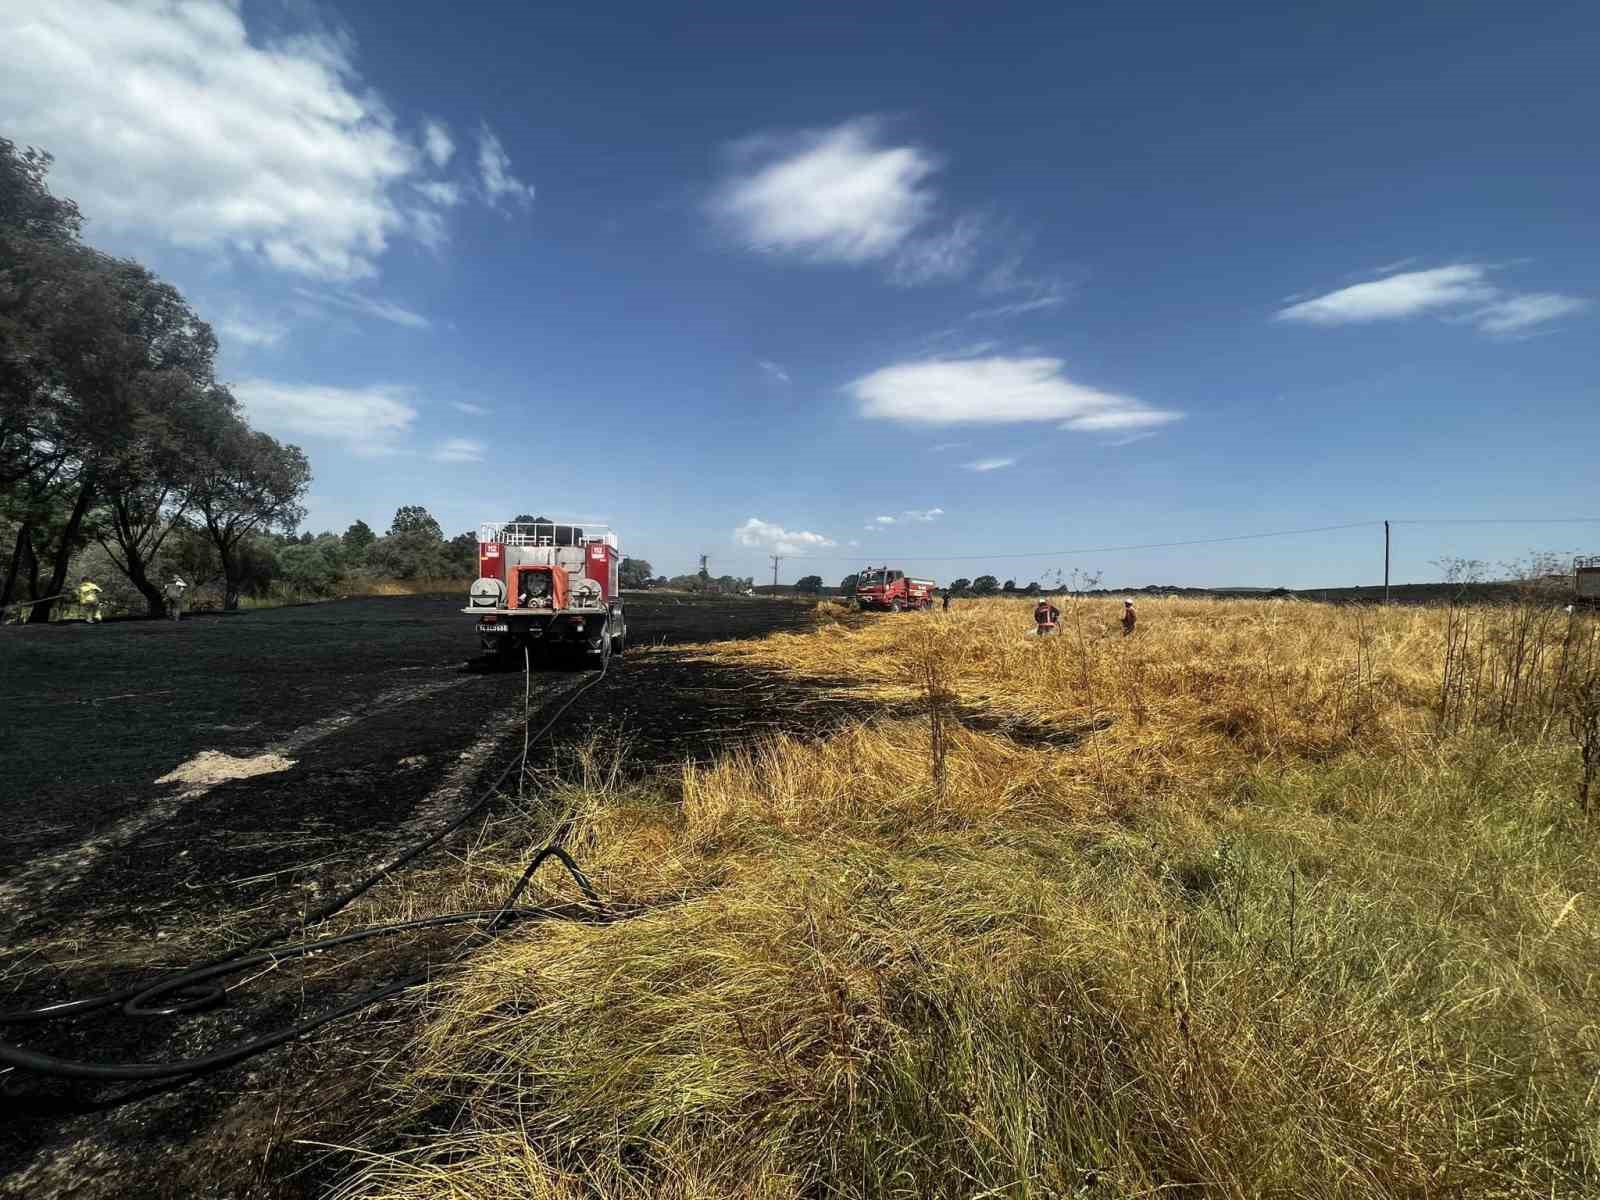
x: 1386, y: 562
x: 776, y: 559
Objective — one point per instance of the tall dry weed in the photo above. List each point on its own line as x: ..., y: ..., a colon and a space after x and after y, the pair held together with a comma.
x: 1249, y: 925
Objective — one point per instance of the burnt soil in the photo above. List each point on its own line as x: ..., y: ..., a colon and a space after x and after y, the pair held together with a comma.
x: 390, y: 734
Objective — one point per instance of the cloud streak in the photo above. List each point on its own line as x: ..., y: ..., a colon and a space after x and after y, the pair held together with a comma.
x: 459, y: 450
x: 500, y: 187
x: 1461, y: 292
x: 990, y: 464
x: 367, y: 306
x: 367, y: 420
x: 997, y: 390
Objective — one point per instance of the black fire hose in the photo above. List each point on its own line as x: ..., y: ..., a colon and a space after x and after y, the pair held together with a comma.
x: 192, y: 989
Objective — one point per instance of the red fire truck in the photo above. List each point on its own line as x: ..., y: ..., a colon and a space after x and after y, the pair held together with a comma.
x: 548, y: 585
x: 887, y: 590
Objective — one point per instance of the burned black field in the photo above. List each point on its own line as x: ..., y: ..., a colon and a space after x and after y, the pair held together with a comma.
x: 106, y: 874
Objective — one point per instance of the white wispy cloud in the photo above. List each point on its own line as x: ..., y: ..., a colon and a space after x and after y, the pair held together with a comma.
x: 367, y: 306
x: 989, y: 464
x: 1517, y: 313
x: 445, y: 195
x: 436, y: 140
x: 945, y: 254
x: 775, y: 539
x: 494, y: 172
x: 883, y: 520
x: 472, y: 410
x: 773, y: 369
x: 833, y: 195
x: 1461, y: 292
x: 925, y: 514
x: 368, y: 420
x: 995, y: 391
x: 459, y: 450
x: 251, y: 331
x: 170, y: 120
x: 1109, y: 420
x: 1396, y: 296
x: 1017, y: 309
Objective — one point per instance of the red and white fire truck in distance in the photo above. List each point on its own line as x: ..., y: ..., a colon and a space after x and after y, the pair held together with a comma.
x: 548, y: 586
x: 887, y: 590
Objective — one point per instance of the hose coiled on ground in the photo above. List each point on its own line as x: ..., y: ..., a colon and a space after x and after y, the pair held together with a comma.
x: 193, y: 989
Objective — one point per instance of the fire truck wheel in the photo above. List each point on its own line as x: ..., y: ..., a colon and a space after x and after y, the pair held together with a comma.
x: 896, y: 606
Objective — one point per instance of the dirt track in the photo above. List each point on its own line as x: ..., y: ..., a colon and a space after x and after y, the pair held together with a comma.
x: 376, y: 733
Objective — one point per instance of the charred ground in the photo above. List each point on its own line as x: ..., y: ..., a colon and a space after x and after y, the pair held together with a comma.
x: 107, y: 874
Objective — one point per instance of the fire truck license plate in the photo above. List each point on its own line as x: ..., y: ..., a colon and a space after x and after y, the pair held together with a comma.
x: 493, y: 629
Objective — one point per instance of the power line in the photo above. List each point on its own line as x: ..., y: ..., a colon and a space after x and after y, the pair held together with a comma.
x: 1210, y: 541
x: 1499, y: 521
x: 1239, y: 537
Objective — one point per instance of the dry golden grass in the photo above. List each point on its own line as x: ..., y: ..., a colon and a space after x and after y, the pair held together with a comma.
x: 1266, y: 929
x: 406, y: 587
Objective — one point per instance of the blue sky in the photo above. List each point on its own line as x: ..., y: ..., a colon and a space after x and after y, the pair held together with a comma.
x: 912, y: 285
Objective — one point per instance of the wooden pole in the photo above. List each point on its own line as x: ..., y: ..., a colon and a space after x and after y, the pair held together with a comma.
x: 1386, y: 562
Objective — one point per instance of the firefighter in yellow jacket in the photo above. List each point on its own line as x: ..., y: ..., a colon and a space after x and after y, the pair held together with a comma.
x: 89, y: 600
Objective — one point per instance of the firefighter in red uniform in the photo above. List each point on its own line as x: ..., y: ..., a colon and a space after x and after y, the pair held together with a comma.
x: 1045, y: 617
x: 1128, y: 619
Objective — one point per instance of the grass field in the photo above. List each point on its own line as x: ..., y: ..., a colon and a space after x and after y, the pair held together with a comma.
x: 1266, y: 900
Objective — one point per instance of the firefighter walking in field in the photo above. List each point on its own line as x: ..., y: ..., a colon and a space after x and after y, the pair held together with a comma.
x: 1046, y: 618
x: 946, y: 600
x: 1128, y: 619
x: 174, y: 597
x: 89, y: 600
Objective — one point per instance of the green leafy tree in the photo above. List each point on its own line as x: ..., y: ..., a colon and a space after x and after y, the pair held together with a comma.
x: 358, y: 540
x: 634, y: 573
x: 1033, y: 588
x: 461, y: 554
x: 958, y: 586
x: 316, y: 567
x: 985, y: 585
x: 847, y: 585
x: 241, y: 484
x: 1010, y: 586
x: 413, y: 518
x: 810, y: 584
x: 415, y: 555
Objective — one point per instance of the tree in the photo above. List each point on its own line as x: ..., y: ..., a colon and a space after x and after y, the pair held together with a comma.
x: 811, y: 584
x: 358, y: 540
x: 985, y: 585
x: 635, y: 573
x: 1033, y: 588
x: 413, y: 518
x: 461, y: 555
x: 316, y: 566
x: 1010, y: 586
x: 957, y: 586
x: 847, y: 585
x: 241, y: 483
